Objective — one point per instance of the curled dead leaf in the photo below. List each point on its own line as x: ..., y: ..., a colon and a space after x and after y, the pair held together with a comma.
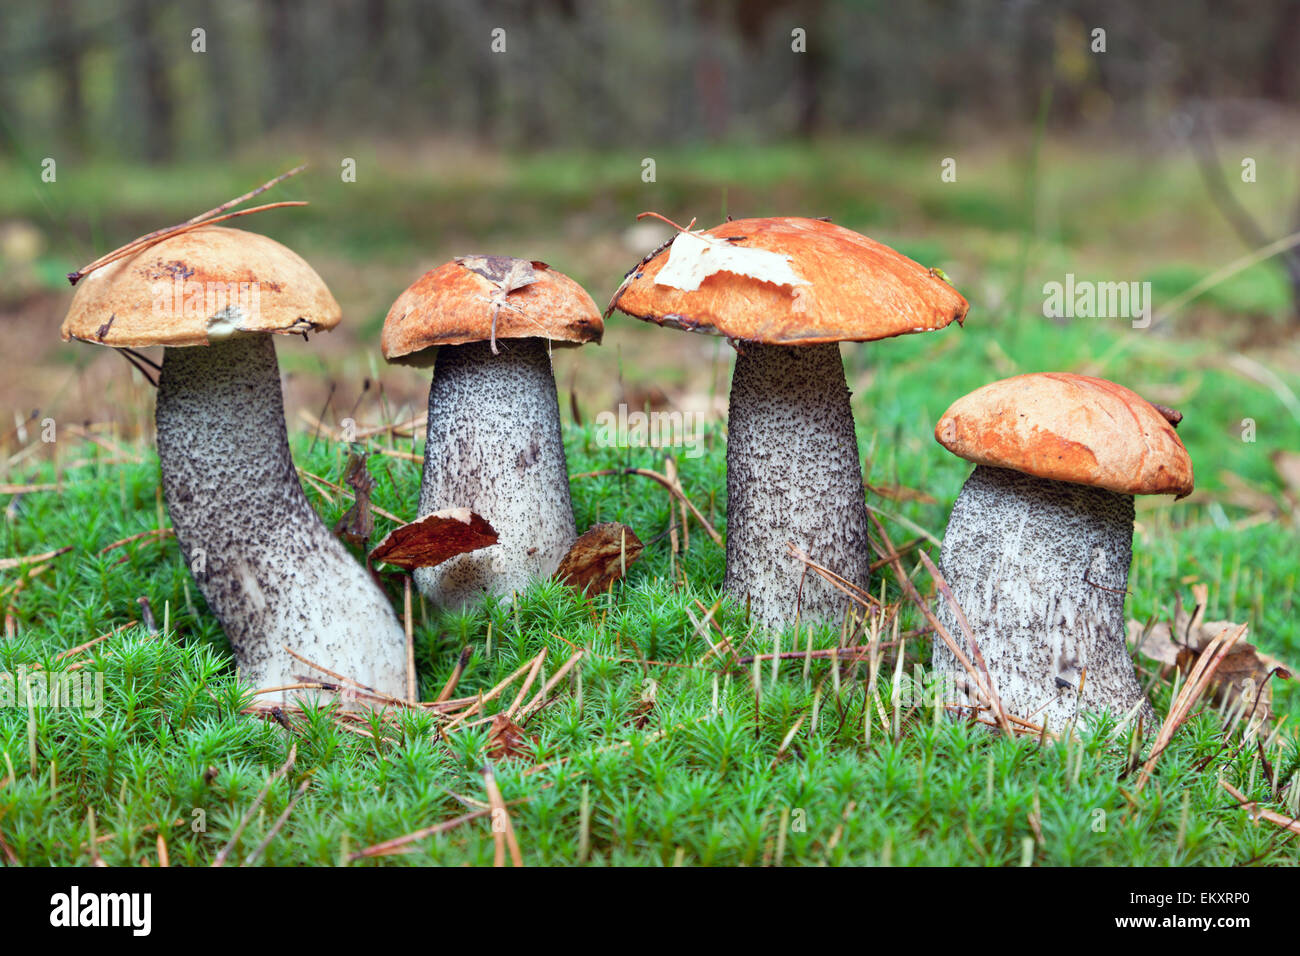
x: 599, y: 558
x: 506, y: 272
x: 644, y: 711
x: 1244, y: 673
x: 1172, y: 415
x: 357, y: 523
x: 435, y: 538
x: 508, y: 740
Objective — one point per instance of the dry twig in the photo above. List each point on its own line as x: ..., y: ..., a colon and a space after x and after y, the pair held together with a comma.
x: 910, y: 590
x: 1198, y: 680
x: 674, y: 488
x: 1257, y: 812
x: 141, y: 243
x: 257, y: 802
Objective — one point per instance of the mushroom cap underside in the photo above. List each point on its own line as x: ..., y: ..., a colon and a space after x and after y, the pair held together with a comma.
x: 840, y: 287
x: 457, y: 303
x: 1072, y: 428
x: 197, y: 287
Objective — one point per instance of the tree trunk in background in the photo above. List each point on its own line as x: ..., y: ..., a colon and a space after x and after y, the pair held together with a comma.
x: 151, y: 77
x: 8, y: 121
x: 811, y: 72
x: 382, y: 65
x: 1279, y: 75
x: 218, y: 72
x: 281, y: 87
x: 1279, y: 83
x: 485, y: 70
x: 66, y: 51
x: 711, y: 74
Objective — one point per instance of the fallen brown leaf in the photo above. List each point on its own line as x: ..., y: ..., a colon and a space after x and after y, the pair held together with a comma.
x: 1244, y: 672
x: 643, y: 712
x: 509, y: 740
x: 599, y: 558
x: 357, y: 523
x: 435, y: 538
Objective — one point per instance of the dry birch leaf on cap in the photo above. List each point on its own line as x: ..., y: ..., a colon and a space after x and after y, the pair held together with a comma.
x: 693, y: 257
x: 507, y: 272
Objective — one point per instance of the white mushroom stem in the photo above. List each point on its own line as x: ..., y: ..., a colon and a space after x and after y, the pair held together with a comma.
x: 1040, y: 569
x: 494, y: 446
x: 793, y: 475
x: 269, y: 568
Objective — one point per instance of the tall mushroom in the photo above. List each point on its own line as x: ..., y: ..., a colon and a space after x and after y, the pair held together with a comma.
x: 487, y: 324
x: 786, y: 292
x: 270, y: 570
x: 1039, y: 543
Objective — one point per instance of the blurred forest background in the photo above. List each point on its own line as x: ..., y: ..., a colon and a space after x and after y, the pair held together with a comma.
x: 122, y: 79
x: 524, y: 128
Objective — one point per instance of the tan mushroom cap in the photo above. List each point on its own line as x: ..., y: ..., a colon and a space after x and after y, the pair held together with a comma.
x: 198, y: 287
x: 1065, y: 427
x: 858, y: 289
x: 453, y: 305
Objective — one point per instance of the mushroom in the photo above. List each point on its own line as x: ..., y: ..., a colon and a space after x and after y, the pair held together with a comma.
x: 487, y: 324
x: 786, y: 292
x: 270, y: 570
x: 1039, y: 543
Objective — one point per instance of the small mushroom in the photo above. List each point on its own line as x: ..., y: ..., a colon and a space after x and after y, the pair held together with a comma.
x: 1039, y: 543
x: 270, y: 570
x: 793, y: 473
x: 486, y: 324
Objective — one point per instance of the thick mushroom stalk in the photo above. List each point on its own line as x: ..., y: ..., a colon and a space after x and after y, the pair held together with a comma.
x: 494, y: 446
x: 787, y: 289
x: 793, y: 475
x: 269, y: 568
x: 1040, y: 568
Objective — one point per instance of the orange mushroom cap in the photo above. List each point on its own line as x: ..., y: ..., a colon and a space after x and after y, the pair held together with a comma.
x: 198, y: 286
x: 1073, y: 428
x: 854, y: 289
x: 454, y: 304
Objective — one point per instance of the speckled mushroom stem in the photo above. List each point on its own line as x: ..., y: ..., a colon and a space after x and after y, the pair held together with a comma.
x: 269, y: 568
x: 793, y: 475
x: 1039, y: 569
x: 494, y: 446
